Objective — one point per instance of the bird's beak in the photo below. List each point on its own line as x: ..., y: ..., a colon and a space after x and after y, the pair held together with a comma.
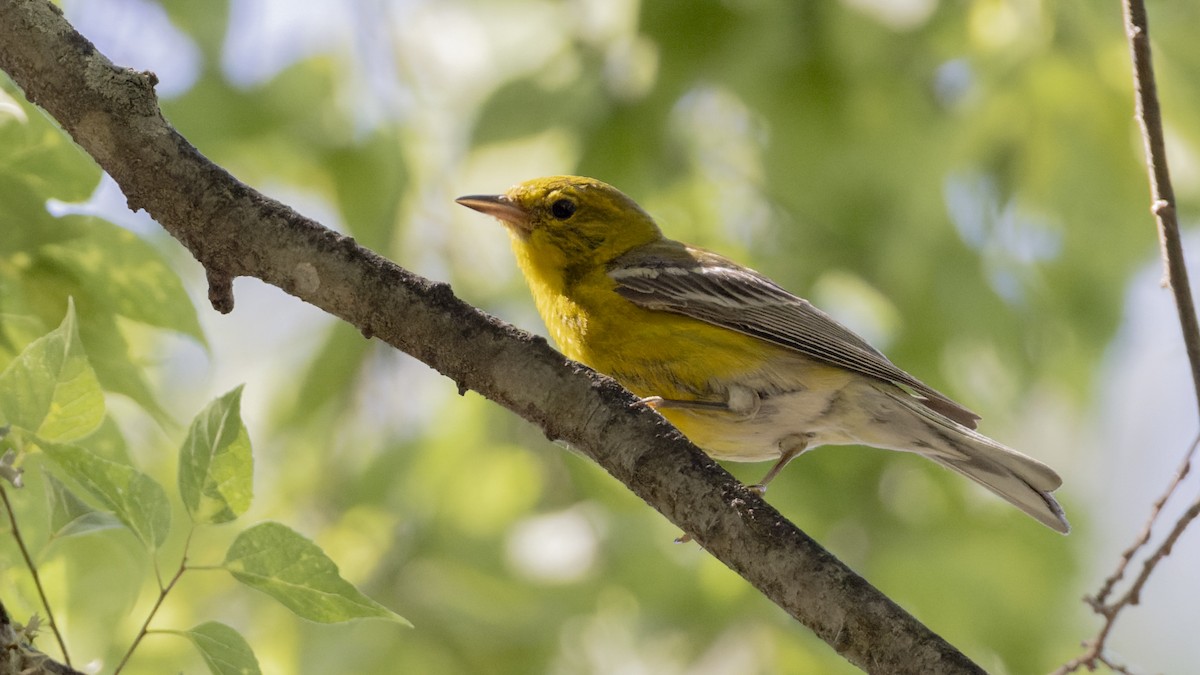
x: 498, y: 206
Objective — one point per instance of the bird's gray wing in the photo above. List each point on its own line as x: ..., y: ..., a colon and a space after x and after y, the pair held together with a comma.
x: 710, y: 288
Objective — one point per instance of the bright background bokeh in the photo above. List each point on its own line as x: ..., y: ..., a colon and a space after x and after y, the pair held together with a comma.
x: 960, y: 182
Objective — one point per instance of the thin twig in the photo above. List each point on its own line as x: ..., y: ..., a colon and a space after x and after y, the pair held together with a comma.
x: 1118, y: 668
x: 37, y: 581
x: 1149, y: 115
x: 1133, y: 595
x: 1094, y: 652
x: 1185, y: 467
x: 162, y: 595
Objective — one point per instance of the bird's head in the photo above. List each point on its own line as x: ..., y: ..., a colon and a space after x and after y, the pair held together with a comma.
x: 568, y: 221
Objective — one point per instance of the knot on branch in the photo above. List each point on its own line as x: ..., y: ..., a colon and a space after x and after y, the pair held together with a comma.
x: 220, y: 289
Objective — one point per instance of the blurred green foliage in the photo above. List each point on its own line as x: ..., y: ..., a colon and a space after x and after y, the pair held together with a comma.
x: 960, y: 181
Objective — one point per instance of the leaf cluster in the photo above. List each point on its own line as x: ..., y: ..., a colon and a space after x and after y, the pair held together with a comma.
x: 53, y: 405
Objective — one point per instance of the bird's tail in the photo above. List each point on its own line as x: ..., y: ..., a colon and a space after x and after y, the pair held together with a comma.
x: 1023, y: 481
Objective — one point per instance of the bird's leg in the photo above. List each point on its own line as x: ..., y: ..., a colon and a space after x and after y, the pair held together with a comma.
x: 658, y: 402
x: 741, y: 401
x: 790, y: 447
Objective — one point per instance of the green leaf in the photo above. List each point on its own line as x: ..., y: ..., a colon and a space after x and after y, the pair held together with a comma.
x: 116, y: 366
x: 224, y: 649
x: 11, y: 110
x: 50, y: 389
x: 108, y: 442
x: 216, y: 469
x: 16, y: 330
x: 70, y: 515
x: 124, y: 273
x: 41, y: 156
x: 136, y: 499
x: 278, y: 561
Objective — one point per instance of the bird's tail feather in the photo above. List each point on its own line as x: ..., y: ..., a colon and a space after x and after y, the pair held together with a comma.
x: 1022, y: 481
x: 1013, y: 485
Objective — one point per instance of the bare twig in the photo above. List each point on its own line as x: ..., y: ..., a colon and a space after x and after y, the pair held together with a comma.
x: 1164, y: 550
x: 1185, y: 467
x: 1149, y: 115
x: 1094, y: 648
x: 162, y: 595
x: 33, y: 572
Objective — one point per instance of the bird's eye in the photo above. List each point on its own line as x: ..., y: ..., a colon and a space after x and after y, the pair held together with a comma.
x: 562, y: 209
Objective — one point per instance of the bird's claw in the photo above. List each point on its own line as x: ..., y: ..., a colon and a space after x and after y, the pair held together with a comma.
x: 651, y: 402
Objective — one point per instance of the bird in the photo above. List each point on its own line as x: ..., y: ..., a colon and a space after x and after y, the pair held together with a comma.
x: 745, y: 369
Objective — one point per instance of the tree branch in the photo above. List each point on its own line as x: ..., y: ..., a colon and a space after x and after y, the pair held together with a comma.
x: 17, y: 655
x: 234, y: 231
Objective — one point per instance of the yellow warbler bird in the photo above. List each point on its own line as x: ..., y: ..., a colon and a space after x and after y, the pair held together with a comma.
x: 746, y: 370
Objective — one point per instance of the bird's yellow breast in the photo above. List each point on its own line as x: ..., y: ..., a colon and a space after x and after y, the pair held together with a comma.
x: 652, y: 352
